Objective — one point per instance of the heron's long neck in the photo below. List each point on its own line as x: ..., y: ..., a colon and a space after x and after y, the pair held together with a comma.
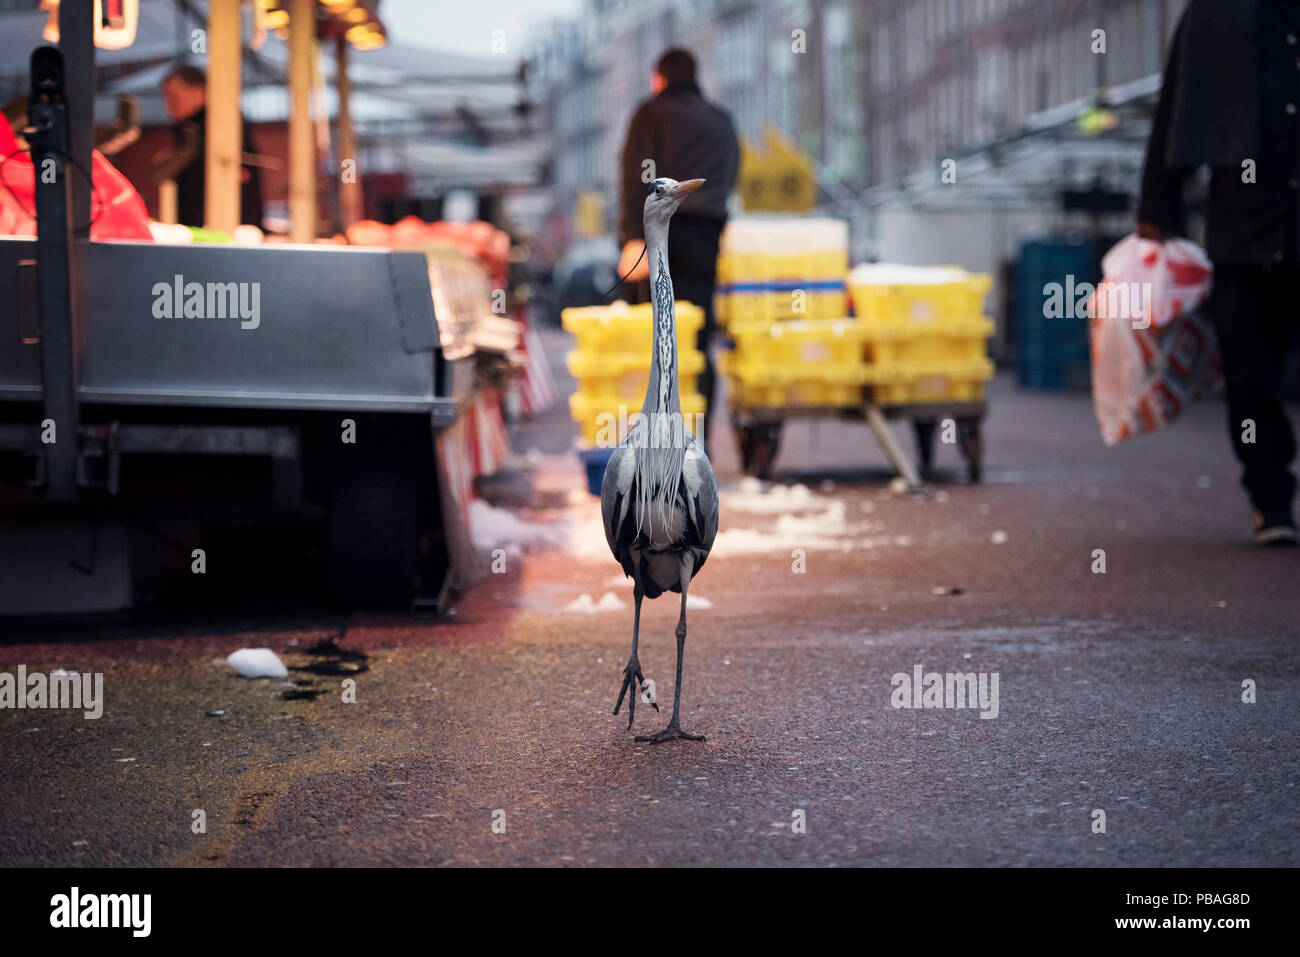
x: 661, y: 394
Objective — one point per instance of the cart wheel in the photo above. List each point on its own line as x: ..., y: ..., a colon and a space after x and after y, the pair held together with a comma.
x: 759, y: 445
x: 972, y: 447
x: 924, y: 431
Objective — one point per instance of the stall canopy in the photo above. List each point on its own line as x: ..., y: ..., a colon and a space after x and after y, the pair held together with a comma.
x: 1094, y: 140
x: 404, y: 98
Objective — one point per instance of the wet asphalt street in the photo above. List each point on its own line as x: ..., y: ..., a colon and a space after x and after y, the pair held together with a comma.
x: 489, y: 740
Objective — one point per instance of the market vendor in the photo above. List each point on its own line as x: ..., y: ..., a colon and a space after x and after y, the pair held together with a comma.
x: 185, y: 93
x: 679, y: 134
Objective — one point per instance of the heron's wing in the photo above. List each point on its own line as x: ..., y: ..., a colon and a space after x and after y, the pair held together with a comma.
x: 616, y: 503
x: 701, y: 497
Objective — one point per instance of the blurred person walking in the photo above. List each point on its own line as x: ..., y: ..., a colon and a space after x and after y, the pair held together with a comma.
x: 682, y: 135
x: 1229, y: 101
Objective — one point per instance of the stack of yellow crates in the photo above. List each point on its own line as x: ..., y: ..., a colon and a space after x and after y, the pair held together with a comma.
x: 918, y: 338
x: 781, y: 299
x: 925, y: 333
x: 773, y: 269
x: 612, y: 364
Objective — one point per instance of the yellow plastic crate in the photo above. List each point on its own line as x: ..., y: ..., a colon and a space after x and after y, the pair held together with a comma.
x: 805, y: 386
x: 793, y: 342
x: 921, y: 302
x: 797, y: 363
x: 628, y: 373
x: 771, y: 306
x: 826, y: 363
x: 769, y: 266
x: 928, y: 362
x: 621, y: 328
x: 931, y: 383
x: 904, y: 343
x: 760, y: 286
x: 603, y: 419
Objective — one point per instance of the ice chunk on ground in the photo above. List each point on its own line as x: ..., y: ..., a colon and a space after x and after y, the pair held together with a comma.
x: 493, y: 527
x: 749, y: 541
x: 610, y: 602
x: 257, y: 663
x: 586, y: 533
x: 775, y: 500
x: 582, y: 604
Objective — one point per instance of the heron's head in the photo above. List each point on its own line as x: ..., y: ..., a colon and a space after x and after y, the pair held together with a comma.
x: 664, y: 195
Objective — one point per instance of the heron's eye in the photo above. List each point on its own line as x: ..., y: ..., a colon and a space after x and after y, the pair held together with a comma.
x: 659, y: 190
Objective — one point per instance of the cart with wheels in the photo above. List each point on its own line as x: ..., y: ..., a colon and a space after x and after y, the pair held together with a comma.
x: 758, y: 435
x: 867, y: 370
x: 966, y: 419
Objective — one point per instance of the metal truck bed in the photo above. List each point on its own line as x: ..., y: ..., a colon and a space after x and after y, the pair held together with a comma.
x: 273, y: 327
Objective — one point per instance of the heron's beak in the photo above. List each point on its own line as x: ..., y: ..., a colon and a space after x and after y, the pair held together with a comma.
x: 687, y: 186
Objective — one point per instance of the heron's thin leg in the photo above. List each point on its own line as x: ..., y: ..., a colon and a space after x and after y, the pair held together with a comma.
x: 681, y: 644
x: 636, y: 618
x: 632, y: 677
x: 674, y: 729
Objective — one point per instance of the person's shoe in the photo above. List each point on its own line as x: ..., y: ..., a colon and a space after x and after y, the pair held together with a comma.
x: 1275, y: 527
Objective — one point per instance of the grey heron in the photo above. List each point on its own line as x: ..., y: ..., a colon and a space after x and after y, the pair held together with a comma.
x: 659, y: 499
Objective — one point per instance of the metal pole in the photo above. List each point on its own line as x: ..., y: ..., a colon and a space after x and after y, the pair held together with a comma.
x: 48, y: 134
x: 77, y: 44
x: 75, y: 212
x: 893, y: 451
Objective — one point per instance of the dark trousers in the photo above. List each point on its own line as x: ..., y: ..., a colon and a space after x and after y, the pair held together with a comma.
x: 1255, y: 314
x: 693, y: 262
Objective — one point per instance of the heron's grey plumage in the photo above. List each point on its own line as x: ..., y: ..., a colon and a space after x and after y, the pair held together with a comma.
x: 659, y: 498
x: 688, y: 523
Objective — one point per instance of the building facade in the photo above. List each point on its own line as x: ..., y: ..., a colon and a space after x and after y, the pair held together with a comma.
x: 880, y: 93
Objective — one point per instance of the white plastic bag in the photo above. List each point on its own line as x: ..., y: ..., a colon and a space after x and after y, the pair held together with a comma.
x: 1153, y: 345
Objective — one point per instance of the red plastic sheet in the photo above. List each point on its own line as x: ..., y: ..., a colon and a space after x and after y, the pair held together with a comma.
x: 116, y: 209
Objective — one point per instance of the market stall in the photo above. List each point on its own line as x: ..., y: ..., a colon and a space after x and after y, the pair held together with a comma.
x: 349, y: 391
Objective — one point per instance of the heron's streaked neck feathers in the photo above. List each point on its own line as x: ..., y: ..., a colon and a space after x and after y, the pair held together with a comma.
x: 660, y: 458
x: 662, y: 394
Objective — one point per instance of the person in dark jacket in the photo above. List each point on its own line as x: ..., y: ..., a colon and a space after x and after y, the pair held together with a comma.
x: 185, y: 99
x: 1229, y: 101
x: 679, y: 134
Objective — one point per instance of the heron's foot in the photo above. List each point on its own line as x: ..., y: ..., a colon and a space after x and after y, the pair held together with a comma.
x: 634, y: 680
x: 674, y: 730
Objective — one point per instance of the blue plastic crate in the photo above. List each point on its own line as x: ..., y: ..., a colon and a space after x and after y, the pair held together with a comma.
x: 1053, y: 354
x: 595, y: 461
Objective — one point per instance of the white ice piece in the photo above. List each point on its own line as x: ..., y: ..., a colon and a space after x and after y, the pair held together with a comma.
x: 610, y: 602
x: 257, y: 663
x: 492, y: 527
x: 582, y: 603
